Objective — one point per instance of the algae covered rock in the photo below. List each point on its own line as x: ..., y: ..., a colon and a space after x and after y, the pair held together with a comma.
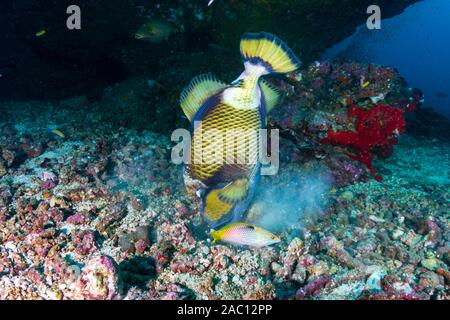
x: 99, y: 279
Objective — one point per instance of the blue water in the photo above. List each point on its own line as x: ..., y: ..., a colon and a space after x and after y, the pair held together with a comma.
x: 416, y: 42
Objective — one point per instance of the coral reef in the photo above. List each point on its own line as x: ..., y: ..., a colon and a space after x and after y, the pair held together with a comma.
x: 359, y: 108
x: 102, y: 213
x: 376, y: 127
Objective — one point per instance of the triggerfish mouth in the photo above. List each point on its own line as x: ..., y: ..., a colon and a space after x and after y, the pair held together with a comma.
x: 223, y: 189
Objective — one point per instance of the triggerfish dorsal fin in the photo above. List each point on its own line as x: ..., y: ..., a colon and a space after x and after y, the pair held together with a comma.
x: 199, y: 89
x: 267, y: 50
x: 234, y: 192
x: 273, y: 96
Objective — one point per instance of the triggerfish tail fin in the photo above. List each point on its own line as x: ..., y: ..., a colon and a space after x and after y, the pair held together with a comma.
x: 273, y: 96
x: 234, y: 192
x: 267, y: 50
x: 199, y: 89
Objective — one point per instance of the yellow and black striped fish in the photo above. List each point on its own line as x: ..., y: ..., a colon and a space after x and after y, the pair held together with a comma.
x: 225, y: 188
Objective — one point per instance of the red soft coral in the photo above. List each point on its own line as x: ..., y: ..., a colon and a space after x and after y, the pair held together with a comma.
x: 376, y: 130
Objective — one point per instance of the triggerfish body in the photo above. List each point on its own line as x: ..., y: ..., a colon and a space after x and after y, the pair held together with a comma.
x: 240, y: 233
x: 224, y: 189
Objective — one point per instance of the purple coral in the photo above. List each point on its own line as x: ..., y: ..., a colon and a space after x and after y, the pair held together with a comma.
x: 99, y: 279
x: 313, y: 287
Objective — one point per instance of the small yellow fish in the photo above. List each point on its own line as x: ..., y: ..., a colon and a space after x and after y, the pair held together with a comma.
x: 40, y: 33
x: 58, y: 133
x: 240, y: 233
x: 365, y: 84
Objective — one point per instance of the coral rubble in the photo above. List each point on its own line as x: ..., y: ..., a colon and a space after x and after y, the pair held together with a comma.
x: 102, y: 213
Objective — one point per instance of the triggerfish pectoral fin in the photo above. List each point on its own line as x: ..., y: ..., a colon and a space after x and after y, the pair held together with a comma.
x: 273, y: 96
x: 234, y: 192
x: 266, y: 49
x: 198, y: 91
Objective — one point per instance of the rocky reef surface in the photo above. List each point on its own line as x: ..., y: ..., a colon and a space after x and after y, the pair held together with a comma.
x: 93, y: 210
